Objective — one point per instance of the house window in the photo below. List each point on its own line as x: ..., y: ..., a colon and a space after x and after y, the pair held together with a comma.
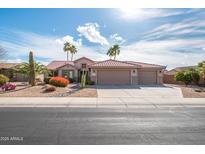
x: 83, y: 65
x: 67, y: 74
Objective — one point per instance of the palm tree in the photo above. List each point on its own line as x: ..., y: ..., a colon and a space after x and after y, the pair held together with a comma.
x: 68, y: 47
x: 114, y: 51
x: 73, y: 51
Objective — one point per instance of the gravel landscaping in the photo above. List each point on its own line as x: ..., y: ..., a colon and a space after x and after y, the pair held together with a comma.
x: 191, y: 91
x: 72, y: 90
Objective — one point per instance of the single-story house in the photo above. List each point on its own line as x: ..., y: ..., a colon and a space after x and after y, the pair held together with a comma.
x: 109, y: 71
x: 7, y: 69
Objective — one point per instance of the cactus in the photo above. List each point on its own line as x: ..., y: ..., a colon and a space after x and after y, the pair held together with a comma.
x: 32, y: 75
x: 83, y: 80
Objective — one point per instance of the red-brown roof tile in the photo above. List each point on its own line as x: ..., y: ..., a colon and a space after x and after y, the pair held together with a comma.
x: 113, y: 64
x: 56, y: 64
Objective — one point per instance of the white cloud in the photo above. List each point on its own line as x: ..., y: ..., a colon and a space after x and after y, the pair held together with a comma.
x: 163, y: 52
x: 143, y: 14
x: 45, y: 48
x: 92, y: 33
x: 70, y: 39
x: 190, y: 26
x: 116, y: 38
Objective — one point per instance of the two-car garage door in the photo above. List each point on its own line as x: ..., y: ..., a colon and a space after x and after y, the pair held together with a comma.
x: 113, y: 77
x: 147, y: 77
x: 124, y: 77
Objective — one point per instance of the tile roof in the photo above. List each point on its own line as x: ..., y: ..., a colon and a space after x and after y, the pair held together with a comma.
x: 113, y: 63
x: 8, y: 65
x: 56, y: 64
x: 106, y: 63
x: 146, y: 65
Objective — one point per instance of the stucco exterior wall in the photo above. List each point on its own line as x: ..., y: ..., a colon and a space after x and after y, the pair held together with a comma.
x: 79, y: 63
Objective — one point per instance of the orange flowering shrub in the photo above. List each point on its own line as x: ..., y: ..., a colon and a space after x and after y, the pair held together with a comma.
x: 59, y: 81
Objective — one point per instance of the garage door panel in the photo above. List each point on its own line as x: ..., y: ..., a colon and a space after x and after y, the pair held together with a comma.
x: 148, y: 77
x: 113, y: 76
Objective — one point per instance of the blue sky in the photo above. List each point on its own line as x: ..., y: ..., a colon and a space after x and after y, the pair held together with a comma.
x: 172, y: 37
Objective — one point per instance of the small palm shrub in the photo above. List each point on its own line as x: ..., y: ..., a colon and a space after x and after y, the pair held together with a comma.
x: 59, y: 81
x: 3, y: 79
x: 8, y: 86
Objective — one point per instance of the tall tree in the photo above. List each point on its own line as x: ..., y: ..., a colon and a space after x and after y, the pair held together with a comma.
x: 201, y: 69
x: 69, y: 48
x: 114, y: 51
x: 32, y: 73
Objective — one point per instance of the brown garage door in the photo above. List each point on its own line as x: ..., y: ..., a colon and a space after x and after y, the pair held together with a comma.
x: 147, y: 77
x: 113, y: 76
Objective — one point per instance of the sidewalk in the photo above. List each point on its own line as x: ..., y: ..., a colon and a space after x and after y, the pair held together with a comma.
x: 101, y: 102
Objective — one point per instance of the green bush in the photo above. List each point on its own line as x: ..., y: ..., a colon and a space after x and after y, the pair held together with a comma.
x: 195, y: 76
x: 3, y: 79
x: 188, y: 77
x: 184, y: 76
x: 47, y: 79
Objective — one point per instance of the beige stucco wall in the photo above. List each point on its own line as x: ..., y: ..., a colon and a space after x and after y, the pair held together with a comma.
x: 79, y: 63
x: 67, y: 67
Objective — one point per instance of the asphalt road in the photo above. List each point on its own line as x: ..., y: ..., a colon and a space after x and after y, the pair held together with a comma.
x: 102, y: 126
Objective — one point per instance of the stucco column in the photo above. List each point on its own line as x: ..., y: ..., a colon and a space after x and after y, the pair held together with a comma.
x: 159, y: 77
x: 59, y: 72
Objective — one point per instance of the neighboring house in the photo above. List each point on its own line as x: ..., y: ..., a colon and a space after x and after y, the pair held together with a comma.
x: 169, y: 75
x: 7, y: 70
x: 109, y: 71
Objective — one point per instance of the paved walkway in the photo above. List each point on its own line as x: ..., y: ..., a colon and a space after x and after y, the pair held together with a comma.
x: 101, y: 102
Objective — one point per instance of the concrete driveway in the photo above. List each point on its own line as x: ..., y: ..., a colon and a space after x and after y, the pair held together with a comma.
x: 141, y: 91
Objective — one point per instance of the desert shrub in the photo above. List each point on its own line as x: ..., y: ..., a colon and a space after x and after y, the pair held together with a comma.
x: 89, y: 82
x: 47, y: 79
x: 59, y: 81
x: 184, y: 76
x: 187, y: 77
x: 3, y: 79
x: 50, y: 89
x: 8, y: 86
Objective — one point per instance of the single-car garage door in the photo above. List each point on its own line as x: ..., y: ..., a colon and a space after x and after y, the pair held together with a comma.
x: 147, y: 77
x: 113, y: 76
